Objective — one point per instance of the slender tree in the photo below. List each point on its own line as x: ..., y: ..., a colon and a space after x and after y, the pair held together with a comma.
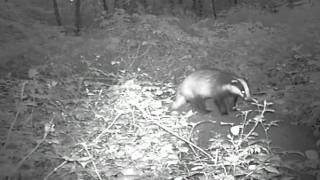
x: 200, y: 6
x: 194, y: 5
x: 171, y: 5
x: 116, y: 4
x: 213, y: 3
x: 144, y: 3
x: 105, y: 5
x: 77, y: 16
x: 56, y: 12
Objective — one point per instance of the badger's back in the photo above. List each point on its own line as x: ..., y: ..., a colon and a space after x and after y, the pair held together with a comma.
x: 205, y: 83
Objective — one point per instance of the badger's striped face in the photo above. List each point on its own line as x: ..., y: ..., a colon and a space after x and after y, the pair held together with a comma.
x: 179, y: 101
x: 245, y: 91
x: 242, y: 91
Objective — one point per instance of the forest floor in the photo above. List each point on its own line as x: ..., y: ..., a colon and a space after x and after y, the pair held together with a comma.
x: 88, y: 106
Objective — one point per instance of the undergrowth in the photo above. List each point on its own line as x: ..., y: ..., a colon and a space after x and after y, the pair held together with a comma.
x: 57, y: 123
x: 105, y: 125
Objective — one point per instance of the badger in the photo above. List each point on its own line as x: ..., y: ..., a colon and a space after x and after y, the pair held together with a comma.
x: 222, y: 87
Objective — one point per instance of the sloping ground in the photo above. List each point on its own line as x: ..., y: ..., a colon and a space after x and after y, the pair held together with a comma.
x: 49, y: 73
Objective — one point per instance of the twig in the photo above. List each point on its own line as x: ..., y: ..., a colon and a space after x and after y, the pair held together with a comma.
x: 259, y: 120
x: 192, y: 131
x: 10, y: 130
x: 107, y: 129
x: 46, y: 132
x: 93, y: 163
x: 135, y: 57
x: 186, y: 141
x: 55, y: 169
x: 144, y: 114
x: 245, y: 118
x: 15, y: 119
x: 199, y: 123
x: 216, y: 157
x: 22, y: 89
x: 100, y: 71
x: 251, y: 131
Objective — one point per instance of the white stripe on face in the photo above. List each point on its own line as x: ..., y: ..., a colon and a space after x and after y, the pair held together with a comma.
x: 180, y: 100
x: 232, y: 89
x: 245, y: 87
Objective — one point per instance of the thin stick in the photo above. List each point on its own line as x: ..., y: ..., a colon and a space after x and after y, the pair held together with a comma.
x: 15, y: 119
x: 173, y: 133
x: 93, y: 163
x: 46, y: 132
x: 107, y: 129
x: 55, y: 169
x: 186, y: 141
x: 10, y: 130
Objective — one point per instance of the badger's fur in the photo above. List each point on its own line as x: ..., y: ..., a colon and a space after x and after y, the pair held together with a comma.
x: 223, y: 88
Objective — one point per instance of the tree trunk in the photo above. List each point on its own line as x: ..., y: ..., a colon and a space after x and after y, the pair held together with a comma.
x: 171, y: 5
x: 105, y: 5
x: 214, y: 8
x: 144, y: 4
x: 77, y: 16
x: 56, y: 12
x: 116, y: 4
x: 200, y: 4
x: 194, y: 5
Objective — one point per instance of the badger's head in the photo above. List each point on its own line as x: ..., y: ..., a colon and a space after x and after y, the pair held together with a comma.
x: 244, y: 88
x: 238, y: 87
x: 180, y: 99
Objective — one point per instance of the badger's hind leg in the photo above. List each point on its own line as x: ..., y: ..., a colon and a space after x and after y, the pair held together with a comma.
x: 199, y: 104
